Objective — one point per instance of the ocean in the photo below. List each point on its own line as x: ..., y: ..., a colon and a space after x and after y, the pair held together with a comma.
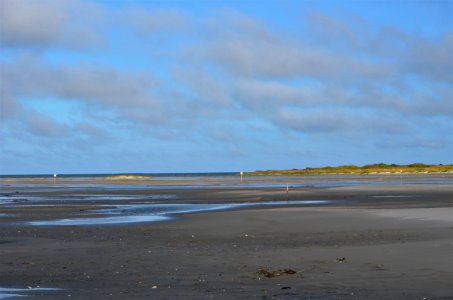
x: 101, y: 175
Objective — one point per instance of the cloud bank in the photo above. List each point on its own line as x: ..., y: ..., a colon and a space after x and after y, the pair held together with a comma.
x: 95, y: 80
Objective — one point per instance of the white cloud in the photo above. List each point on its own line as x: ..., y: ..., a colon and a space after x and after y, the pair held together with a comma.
x: 431, y: 60
x: 92, y: 83
x: 29, y: 24
x: 152, y: 21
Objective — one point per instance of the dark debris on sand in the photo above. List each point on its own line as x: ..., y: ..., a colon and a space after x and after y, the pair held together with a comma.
x: 269, y: 274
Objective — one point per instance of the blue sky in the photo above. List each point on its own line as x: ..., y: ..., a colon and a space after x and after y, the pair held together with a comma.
x: 205, y: 86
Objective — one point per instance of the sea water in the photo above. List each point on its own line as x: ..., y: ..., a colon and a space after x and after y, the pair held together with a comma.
x: 153, y: 212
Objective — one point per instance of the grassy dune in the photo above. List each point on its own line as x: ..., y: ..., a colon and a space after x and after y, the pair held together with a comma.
x: 366, y: 169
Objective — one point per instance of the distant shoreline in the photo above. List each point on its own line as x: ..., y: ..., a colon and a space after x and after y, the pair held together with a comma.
x: 372, y: 169
x: 111, y: 175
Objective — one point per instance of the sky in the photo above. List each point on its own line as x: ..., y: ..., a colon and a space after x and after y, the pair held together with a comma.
x: 217, y: 86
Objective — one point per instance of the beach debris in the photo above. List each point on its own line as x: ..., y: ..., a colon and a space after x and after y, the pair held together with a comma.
x: 154, y: 287
x: 341, y: 259
x: 286, y: 287
x: 274, y: 273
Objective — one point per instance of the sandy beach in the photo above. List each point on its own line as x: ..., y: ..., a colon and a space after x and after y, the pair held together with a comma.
x: 365, y: 241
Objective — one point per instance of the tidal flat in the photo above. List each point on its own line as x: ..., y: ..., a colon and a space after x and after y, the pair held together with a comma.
x: 276, y: 237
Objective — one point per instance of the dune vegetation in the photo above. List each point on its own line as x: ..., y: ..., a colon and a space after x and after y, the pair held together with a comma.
x: 379, y: 168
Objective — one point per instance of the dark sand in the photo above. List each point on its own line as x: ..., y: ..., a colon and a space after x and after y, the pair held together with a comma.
x: 363, y: 246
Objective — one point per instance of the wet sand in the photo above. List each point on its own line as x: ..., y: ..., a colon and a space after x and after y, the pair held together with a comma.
x: 370, y: 242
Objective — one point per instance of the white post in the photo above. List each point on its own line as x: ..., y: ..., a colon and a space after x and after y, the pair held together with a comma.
x: 241, y: 176
x: 401, y: 176
x: 54, y: 178
x: 287, y: 191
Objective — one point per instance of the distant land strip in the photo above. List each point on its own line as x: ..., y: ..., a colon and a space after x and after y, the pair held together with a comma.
x: 126, y: 176
x: 366, y: 169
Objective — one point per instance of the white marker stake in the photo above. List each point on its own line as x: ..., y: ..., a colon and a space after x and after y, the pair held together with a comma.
x: 54, y: 178
x: 241, y: 176
x: 287, y: 191
x: 401, y: 173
